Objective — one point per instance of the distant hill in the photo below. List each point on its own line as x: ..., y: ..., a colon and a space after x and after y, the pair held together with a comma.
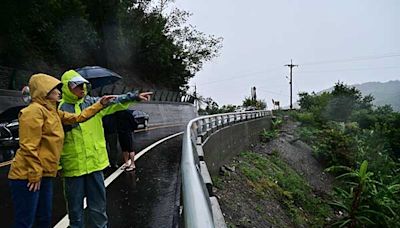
x: 383, y: 92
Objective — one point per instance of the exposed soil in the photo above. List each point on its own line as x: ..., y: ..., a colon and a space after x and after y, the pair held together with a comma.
x: 240, y: 203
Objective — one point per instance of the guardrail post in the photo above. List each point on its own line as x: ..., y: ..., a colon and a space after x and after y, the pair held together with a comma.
x: 206, y: 177
x: 211, y: 124
x: 199, y: 124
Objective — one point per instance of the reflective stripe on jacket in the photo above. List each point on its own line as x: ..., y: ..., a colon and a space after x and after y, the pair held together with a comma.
x: 84, y: 149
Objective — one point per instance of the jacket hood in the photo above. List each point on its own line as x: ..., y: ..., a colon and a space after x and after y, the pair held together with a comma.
x: 40, y: 85
x: 67, y: 95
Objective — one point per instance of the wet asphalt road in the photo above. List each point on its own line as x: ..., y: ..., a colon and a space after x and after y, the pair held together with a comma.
x: 149, y: 196
x: 145, y: 198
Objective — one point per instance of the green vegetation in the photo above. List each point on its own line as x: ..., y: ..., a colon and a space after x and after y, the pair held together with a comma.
x: 365, y: 199
x: 385, y: 93
x: 211, y: 107
x: 361, y: 144
x: 135, y: 36
x: 258, y: 104
x: 271, y: 177
x: 268, y: 135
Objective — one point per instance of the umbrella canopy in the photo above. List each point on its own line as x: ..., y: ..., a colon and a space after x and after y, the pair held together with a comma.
x: 98, y: 76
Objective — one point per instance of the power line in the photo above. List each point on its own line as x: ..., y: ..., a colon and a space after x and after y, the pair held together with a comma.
x: 350, y: 69
x: 362, y: 58
x: 246, y: 75
x: 269, y: 91
x: 355, y: 59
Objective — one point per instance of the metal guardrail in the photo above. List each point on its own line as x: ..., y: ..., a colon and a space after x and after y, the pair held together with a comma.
x: 197, y: 212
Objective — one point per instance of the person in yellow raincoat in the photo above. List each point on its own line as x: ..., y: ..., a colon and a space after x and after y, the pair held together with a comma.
x: 41, y: 138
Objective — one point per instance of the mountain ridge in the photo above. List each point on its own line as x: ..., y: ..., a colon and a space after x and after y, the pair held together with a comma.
x: 385, y: 93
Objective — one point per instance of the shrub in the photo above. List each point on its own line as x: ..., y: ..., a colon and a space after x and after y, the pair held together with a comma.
x: 366, y: 200
x: 268, y: 135
x: 305, y: 117
x: 277, y: 123
x: 333, y: 146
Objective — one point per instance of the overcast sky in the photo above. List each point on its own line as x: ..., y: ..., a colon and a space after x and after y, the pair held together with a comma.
x: 353, y: 41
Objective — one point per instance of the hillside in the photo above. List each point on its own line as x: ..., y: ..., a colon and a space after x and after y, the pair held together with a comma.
x: 383, y: 92
x: 275, y: 184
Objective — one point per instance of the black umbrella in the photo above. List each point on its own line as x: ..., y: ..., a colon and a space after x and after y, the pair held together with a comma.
x: 98, y: 76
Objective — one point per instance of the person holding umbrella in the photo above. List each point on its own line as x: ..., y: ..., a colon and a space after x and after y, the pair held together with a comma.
x: 84, y: 155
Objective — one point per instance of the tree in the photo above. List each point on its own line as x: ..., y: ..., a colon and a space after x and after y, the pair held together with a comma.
x: 211, y: 106
x: 258, y: 104
x: 227, y: 108
x: 338, y: 105
x: 344, y: 101
x: 130, y: 35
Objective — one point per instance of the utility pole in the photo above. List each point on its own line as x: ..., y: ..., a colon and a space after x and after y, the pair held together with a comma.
x: 253, y: 93
x: 290, y: 82
x: 195, y: 97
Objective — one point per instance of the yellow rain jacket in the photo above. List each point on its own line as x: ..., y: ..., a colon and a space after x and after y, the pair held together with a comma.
x: 41, y: 134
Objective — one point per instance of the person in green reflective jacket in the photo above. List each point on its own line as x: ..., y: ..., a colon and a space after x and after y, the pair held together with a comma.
x: 84, y: 154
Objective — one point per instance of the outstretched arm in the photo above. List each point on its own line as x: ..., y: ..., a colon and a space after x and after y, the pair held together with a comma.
x: 71, y: 118
x: 122, y: 102
x: 145, y: 96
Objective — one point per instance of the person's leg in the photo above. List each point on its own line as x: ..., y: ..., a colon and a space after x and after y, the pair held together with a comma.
x: 25, y: 203
x: 132, y: 157
x: 43, y: 213
x: 74, y: 193
x: 112, y: 149
x: 124, y: 143
x: 127, y: 162
x: 96, y: 200
x: 131, y: 151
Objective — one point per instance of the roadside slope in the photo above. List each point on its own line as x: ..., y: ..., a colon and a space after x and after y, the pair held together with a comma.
x: 276, y: 184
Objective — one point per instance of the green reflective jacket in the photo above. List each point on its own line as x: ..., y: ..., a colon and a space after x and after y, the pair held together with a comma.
x: 84, y: 148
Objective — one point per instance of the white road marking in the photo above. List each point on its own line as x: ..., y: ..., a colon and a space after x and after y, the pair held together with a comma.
x: 6, y: 163
x: 64, y: 222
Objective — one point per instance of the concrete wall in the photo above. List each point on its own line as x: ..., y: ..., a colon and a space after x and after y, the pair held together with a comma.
x: 220, y: 147
x: 159, y: 112
x: 167, y: 112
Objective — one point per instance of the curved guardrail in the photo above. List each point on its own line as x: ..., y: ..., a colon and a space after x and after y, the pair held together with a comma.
x: 197, y: 210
